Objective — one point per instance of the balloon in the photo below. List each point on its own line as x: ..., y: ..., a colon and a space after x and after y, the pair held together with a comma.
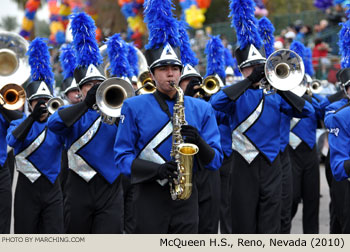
x: 195, y: 16
x: 203, y: 4
x: 27, y: 24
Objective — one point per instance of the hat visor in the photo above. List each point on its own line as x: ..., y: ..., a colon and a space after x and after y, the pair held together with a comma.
x: 249, y: 63
x: 34, y: 96
x: 90, y: 78
x: 166, y: 62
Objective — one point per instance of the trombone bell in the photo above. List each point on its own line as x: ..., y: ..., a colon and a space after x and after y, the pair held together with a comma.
x: 284, y: 70
x: 110, y: 96
x: 12, y: 96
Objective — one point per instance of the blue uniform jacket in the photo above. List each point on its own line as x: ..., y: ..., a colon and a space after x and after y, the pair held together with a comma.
x: 145, y: 130
x: 47, y: 157
x: 258, y: 117
x: 338, y: 124
x: 3, y: 143
x: 305, y: 129
x: 225, y: 132
x: 97, y: 151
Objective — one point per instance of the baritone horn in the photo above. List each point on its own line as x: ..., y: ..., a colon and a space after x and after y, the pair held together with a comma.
x: 14, y: 67
x: 284, y: 70
x: 315, y: 86
x: 145, y: 84
x: 12, y: 96
x: 211, y: 85
x: 110, y: 96
x: 54, y: 104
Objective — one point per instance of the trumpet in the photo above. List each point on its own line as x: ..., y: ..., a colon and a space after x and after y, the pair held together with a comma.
x: 54, y: 104
x: 145, y: 84
x: 211, y: 85
x: 12, y: 96
x: 315, y: 87
x: 110, y: 96
x: 284, y: 70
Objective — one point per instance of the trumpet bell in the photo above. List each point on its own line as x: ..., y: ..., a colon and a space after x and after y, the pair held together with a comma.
x: 110, y: 96
x: 211, y: 84
x: 54, y: 104
x: 145, y: 84
x: 13, y: 96
x: 316, y: 87
x: 284, y: 69
x: 14, y: 67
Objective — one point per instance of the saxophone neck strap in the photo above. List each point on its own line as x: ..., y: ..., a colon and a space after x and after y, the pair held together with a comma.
x: 163, y: 105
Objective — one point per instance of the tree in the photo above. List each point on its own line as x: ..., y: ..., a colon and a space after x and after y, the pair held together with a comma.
x: 9, y: 23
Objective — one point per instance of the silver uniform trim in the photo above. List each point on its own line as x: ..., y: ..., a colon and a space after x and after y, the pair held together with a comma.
x: 240, y: 142
x: 148, y: 152
x: 22, y: 163
x: 294, y: 140
x: 75, y: 162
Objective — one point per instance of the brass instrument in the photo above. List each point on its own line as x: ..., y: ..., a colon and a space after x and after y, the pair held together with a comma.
x: 284, y: 70
x: 14, y: 67
x: 12, y: 96
x: 182, y: 153
x: 315, y: 87
x: 54, y: 104
x: 145, y: 84
x: 211, y: 85
x: 110, y: 96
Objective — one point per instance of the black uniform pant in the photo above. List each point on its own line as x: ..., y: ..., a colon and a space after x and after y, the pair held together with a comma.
x: 38, y: 206
x: 156, y: 213
x: 256, y: 195
x: 225, y: 196
x: 306, y: 185
x: 287, y: 192
x: 93, y: 207
x: 208, y: 185
x: 5, y: 200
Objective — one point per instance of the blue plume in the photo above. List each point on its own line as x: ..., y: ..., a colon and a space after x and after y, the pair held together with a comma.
x: 133, y: 60
x: 187, y: 55
x: 266, y: 31
x: 228, y: 58
x: 344, y: 44
x: 215, y: 57
x: 298, y: 47
x: 39, y: 61
x: 84, y: 40
x: 161, y: 24
x: 323, y: 4
x: 117, y: 51
x: 308, y: 62
x: 67, y: 59
x: 245, y: 23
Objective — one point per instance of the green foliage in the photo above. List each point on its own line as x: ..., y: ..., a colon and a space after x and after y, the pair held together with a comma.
x: 9, y: 23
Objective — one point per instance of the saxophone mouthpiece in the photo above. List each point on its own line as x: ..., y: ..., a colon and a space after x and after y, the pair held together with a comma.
x: 172, y: 83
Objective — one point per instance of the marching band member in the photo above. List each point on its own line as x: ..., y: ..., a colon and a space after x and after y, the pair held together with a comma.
x: 144, y: 138
x: 255, y: 124
x: 6, y: 116
x: 94, y: 201
x: 303, y: 153
x: 38, y: 204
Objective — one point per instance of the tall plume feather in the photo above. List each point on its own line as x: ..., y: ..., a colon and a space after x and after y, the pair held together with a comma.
x: 266, y: 31
x: 215, y: 57
x: 39, y: 61
x: 67, y: 60
x: 117, y: 50
x: 187, y: 55
x: 84, y: 40
x: 161, y: 24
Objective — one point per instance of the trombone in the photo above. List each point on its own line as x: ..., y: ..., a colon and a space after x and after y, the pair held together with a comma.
x: 12, y: 96
x: 110, y: 96
x: 284, y: 70
x: 145, y: 84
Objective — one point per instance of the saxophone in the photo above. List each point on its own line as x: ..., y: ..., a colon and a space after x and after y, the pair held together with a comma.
x: 182, y: 153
